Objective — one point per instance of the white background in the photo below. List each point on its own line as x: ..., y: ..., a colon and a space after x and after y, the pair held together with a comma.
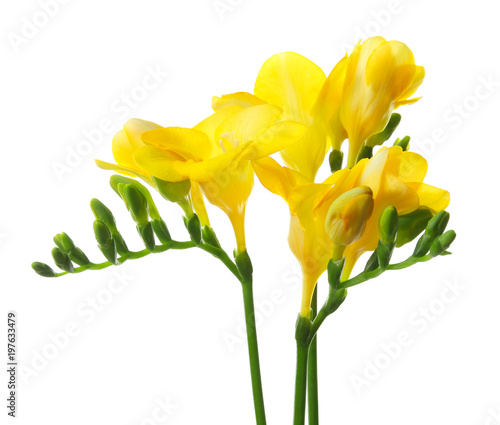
x: 165, y: 336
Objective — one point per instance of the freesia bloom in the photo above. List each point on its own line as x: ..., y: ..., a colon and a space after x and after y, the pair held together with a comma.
x: 392, y: 178
x: 217, y: 154
x: 380, y: 76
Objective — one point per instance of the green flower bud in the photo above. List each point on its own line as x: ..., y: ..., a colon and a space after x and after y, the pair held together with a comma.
x: 136, y: 203
x: 105, y: 242
x: 303, y: 329
x: 64, y: 242
x: 161, y: 230
x: 193, y: 226
x: 404, y: 143
x: 411, y: 225
x: 43, y: 269
x: 102, y: 213
x: 437, y: 224
x: 336, y: 158
x: 244, y: 264
x: 380, y: 138
x: 209, y: 236
x: 388, y: 226
x: 365, y: 152
x: 147, y: 234
x: 173, y: 191
x: 62, y: 260
x: 116, y: 180
x: 78, y: 256
x: 442, y: 243
x: 335, y: 269
x: 423, y: 245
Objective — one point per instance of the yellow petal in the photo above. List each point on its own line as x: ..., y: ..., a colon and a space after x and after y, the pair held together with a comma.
x: 134, y: 128
x: 190, y: 143
x: 431, y: 197
x: 199, y: 204
x: 241, y: 99
x: 291, y: 82
x: 122, y: 150
x: 413, y: 167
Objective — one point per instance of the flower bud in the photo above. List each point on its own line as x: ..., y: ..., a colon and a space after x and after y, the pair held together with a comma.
x: 136, y: 203
x: 43, y: 269
x: 102, y: 213
x: 194, y: 228
x: 78, y: 256
x: 336, y: 157
x: 388, y: 226
x: 105, y: 242
x: 411, y: 225
x: 372, y: 263
x: 173, y: 191
x: 380, y: 138
x: 147, y: 235
x: 442, y: 243
x: 347, y: 216
x: 365, y: 152
x: 64, y: 242
x: 437, y: 224
x: 161, y: 230
x: 62, y: 260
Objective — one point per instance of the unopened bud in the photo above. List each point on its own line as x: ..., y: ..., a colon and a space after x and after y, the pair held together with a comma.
x: 336, y: 158
x: 78, y: 256
x: 437, y: 224
x: 380, y: 138
x: 347, y: 216
x: 388, y: 226
x: 161, y: 230
x: 442, y: 243
x: 64, y: 242
x: 404, y: 143
x: 136, y: 203
x: 62, y: 260
x: 147, y: 235
x: 43, y: 269
x: 193, y: 226
x: 411, y: 225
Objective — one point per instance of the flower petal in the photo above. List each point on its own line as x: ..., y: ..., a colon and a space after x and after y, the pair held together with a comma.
x: 242, y: 99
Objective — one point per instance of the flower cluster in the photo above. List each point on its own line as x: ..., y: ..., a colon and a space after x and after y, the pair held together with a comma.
x: 300, y: 113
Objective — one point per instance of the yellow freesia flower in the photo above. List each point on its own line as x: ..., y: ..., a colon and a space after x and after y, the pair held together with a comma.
x: 125, y: 143
x: 380, y: 76
x: 217, y: 154
x: 394, y: 178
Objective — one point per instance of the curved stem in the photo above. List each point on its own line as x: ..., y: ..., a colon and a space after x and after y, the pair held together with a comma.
x: 299, y: 413
x: 253, y: 352
x: 312, y: 369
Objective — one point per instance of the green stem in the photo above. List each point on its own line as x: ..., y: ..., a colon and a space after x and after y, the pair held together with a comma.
x: 312, y: 369
x: 253, y: 351
x: 299, y: 414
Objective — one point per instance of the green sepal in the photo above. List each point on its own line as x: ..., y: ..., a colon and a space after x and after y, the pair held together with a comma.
x: 411, y: 225
x: 244, y: 264
x: 104, y: 214
x: 336, y: 158
x: 161, y: 230
x: 136, y: 203
x: 372, y: 263
x: 147, y: 234
x: 335, y: 269
x: 173, y: 191
x: 303, y: 329
x: 64, y: 242
x: 209, y: 236
x: 193, y: 226
x: 388, y: 226
x: 62, y: 260
x: 442, y: 243
x: 365, y: 152
x: 336, y: 301
x: 380, y: 138
x: 43, y: 269
x: 78, y: 256
x: 404, y: 143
